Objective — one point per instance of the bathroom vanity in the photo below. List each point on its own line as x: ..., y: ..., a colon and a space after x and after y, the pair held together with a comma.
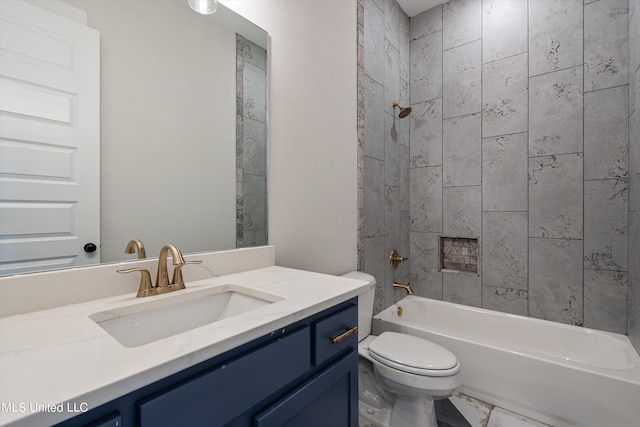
x: 293, y: 374
x: 271, y: 364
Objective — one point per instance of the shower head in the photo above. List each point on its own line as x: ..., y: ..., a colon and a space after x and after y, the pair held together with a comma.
x: 404, y: 111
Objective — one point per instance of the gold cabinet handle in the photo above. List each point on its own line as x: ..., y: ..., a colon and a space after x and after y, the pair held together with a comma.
x: 343, y: 335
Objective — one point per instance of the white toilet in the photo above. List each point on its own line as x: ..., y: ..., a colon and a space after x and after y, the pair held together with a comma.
x: 399, y: 375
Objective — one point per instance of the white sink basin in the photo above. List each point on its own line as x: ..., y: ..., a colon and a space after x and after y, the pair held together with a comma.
x: 171, y: 314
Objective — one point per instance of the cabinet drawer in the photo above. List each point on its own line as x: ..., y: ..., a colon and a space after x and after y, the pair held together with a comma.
x: 332, y: 326
x: 328, y: 399
x: 217, y: 396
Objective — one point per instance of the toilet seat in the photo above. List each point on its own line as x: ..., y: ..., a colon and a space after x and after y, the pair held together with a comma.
x: 413, y: 355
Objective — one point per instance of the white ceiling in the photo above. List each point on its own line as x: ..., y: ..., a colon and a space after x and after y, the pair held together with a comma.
x: 414, y: 7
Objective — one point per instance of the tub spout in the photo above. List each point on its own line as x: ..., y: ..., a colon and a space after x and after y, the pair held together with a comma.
x: 406, y: 287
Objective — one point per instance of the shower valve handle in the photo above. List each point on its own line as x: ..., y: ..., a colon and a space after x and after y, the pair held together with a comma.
x: 395, y: 259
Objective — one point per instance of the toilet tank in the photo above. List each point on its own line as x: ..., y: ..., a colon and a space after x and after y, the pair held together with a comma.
x: 365, y: 303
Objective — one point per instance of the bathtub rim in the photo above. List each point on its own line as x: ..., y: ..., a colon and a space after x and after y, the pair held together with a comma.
x: 629, y: 375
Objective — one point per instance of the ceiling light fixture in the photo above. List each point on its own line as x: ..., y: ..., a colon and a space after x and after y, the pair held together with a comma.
x: 204, y: 7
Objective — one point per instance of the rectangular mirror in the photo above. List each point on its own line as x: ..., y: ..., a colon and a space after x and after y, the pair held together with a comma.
x: 182, y: 135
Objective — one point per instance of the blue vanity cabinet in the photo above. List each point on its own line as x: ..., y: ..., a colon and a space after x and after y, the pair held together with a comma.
x: 113, y: 420
x: 293, y: 376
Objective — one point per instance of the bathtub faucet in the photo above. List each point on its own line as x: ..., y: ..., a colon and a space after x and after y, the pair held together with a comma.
x: 406, y: 287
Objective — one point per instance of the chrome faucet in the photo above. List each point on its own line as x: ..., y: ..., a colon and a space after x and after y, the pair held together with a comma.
x: 162, y: 285
x: 406, y: 287
x: 133, y: 245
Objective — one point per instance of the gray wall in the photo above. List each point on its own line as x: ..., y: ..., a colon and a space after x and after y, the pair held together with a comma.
x: 634, y: 173
x: 518, y: 137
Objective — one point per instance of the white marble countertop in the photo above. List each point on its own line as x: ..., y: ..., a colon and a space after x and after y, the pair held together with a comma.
x: 61, y: 356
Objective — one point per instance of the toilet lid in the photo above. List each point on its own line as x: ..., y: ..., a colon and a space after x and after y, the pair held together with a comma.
x: 411, y: 354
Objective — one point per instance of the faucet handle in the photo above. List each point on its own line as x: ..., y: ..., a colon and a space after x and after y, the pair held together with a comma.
x: 146, y: 287
x: 396, y: 259
x: 177, y: 281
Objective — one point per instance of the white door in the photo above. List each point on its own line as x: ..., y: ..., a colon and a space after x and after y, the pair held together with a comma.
x: 49, y: 140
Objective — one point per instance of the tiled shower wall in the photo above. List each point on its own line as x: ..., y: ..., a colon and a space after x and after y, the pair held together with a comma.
x: 634, y: 173
x: 251, y: 144
x: 518, y: 137
x: 383, y: 144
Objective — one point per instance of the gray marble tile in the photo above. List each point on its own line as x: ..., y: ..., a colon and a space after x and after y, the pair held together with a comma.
x: 505, y: 250
x: 505, y: 93
x: 392, y: 22
x: 254, y: 93
x: 606, y: 44
x: 461, y: 22
x: 373, y: 118
x: 555, y: 280
x: 404, y: 46
x: 403, y: 125
x: 462, y: 288
x: 374, y: 264
x: 605, y: 300
x: 251, y: 238
x: 426, y: 278
x: 254, y: 54
x: 504, y: 29
x: 391, y: 76
x: 556, y: 112
x: 462, y: 211
x: 555, y: 35
x: 634, y: 81
x: 404, y: 248
x: 634, y: 56
x: 425, y: 204
x: 606, y: 134
x: 404, y: 178
x: 425, y: 68
x: 506, y: 300
x: 425, y: 23
x: 462, y: 152
x: 391, y: 151
x: 634, y: 161
x: 634, y: 280
x: 374, y: 197
x: 392, y: 226
x: 374, y: 41
x: 426, y: 133
x: 606, y: 224
x: 254, y: 147
x: 504, y: 176
x: 556, y: 196
x: 462, y: 90
x: 254, y: 201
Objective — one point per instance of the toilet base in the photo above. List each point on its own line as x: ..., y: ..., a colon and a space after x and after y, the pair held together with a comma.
x: 370, y: 416
x: 412, y: 411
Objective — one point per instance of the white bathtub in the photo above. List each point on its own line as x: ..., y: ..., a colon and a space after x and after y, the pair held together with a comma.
x: 559, y: 374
